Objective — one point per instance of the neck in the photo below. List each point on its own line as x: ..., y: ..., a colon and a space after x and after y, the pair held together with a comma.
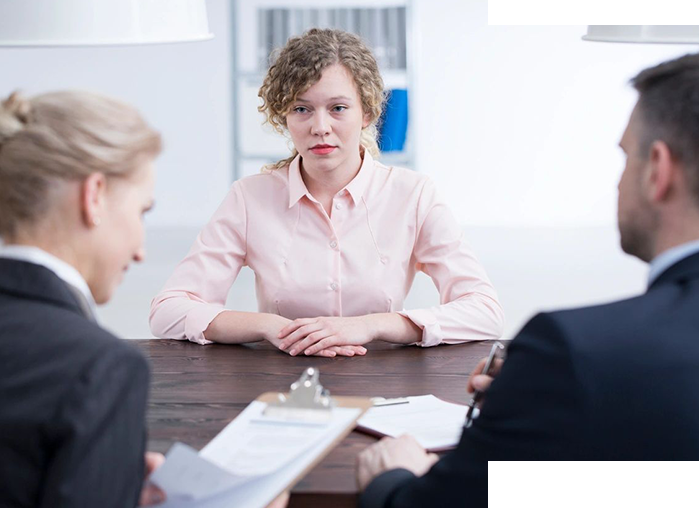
x: 326, y: 182
x: 680, y: 227
x: 45, y: 240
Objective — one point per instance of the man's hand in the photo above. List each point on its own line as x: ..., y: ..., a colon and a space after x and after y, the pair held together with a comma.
x: 389, y: 453
x: 479, y: 380
x: 311, y: 336
x: 151, y: 494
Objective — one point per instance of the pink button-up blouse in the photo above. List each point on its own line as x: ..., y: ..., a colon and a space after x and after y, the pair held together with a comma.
x: 384, y: 226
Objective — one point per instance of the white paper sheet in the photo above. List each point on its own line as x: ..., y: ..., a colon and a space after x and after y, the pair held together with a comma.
x: 248, y: 463
x: 435, y: 424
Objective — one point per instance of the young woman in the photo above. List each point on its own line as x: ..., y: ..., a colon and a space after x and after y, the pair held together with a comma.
x: 334, y: 237
x: 76, y: 178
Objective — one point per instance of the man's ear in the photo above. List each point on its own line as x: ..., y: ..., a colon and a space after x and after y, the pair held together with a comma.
x: 93, y: 199
x: 663, y: 172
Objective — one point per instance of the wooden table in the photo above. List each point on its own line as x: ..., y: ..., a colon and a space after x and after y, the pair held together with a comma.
x: 197, y: 390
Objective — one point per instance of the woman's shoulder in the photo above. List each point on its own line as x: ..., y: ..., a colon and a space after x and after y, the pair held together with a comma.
x: 64, y: 338
x: 400, y: 180
x: 267, y: 180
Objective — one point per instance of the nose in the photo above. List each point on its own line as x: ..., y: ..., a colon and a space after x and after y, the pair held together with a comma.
x: 320, y: 125
x: 140, y: 255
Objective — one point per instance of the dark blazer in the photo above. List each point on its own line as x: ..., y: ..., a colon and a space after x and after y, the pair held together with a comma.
x: 611, y: 382
x: 72, y: 400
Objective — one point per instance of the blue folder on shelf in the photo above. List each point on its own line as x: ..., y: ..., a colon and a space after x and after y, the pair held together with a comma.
x: 394, y: 124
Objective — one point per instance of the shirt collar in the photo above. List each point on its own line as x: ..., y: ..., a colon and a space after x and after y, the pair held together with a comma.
x: 356, y: 188
x: 66, y: 272
x: 669, y: 258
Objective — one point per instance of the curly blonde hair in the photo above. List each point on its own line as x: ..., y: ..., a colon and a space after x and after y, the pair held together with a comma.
x: 300, y: 64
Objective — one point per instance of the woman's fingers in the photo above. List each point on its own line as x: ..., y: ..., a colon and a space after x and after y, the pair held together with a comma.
x: 311, y: 339
x: 327, y: 353
x: 298, y: 334
x: 325, y: 343
x: 295, y: 325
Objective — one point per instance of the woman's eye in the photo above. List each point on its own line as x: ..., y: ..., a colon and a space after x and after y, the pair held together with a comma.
x: 300, y: 109
x: 339, y: 109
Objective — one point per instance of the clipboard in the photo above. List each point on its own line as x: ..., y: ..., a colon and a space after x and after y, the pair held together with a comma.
x: 203, y: 479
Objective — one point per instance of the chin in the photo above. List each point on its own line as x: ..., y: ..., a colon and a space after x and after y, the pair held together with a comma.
x: 102, y: 295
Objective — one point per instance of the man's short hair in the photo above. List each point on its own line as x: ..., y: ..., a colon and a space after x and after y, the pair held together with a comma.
x: 669, y: 108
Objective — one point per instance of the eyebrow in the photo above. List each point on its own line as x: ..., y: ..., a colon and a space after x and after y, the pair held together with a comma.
x: 331, y: 99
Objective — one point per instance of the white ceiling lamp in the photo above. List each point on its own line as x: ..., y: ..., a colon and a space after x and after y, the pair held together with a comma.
x: 658, y: 34
x: 101, y: 22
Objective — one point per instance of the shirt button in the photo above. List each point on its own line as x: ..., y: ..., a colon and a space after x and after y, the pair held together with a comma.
x: 333, y: 244
x: 338, y: 206
x: 333, y: 286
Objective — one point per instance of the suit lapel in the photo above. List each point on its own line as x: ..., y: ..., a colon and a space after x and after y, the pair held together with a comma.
x: 685, y: 269
x: 35, y: 282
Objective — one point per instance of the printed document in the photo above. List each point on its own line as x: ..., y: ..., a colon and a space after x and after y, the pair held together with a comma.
x: 436, y: 424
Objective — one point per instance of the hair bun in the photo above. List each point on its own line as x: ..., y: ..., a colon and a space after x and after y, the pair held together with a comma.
x: 14, y: 115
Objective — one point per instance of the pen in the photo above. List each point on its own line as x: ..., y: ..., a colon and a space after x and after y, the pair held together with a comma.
x: 478, y: 395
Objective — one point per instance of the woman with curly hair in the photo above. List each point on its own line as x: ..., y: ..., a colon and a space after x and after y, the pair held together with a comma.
x: 334, y: 237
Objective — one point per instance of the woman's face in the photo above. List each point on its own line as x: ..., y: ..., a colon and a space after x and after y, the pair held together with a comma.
x: 326, y: 121
x: 120, y: 234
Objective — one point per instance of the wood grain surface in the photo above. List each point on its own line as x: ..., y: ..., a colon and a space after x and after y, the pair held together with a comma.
x: 197, y: 390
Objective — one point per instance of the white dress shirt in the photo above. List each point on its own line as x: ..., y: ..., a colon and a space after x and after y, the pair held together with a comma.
x: 669, y: 258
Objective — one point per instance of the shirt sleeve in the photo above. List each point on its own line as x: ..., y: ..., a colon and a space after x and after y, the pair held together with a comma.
x: 97, y: 438
x: 196, y: 292
x: 469, y: 308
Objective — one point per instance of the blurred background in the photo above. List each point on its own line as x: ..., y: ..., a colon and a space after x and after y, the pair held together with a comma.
x: 517, y: 125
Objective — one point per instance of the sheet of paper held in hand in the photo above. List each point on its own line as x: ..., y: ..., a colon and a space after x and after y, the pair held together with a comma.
x: 436, y: 424
x: 249, y: 462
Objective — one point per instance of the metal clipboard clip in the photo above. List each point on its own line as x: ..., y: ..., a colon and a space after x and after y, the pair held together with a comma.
x: 307, y: 401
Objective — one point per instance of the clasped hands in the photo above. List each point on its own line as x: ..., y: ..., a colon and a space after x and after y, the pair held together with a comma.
x: 325, y: 336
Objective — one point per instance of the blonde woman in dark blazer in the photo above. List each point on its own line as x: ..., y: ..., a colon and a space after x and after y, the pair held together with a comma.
x: 76, y: 178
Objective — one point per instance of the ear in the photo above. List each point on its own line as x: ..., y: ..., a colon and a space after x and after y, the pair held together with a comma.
x: 93, y: 199
x: 367, y: 121
x: 663, y: 172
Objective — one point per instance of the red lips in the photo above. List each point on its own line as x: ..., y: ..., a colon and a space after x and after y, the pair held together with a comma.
x: 322, y: 149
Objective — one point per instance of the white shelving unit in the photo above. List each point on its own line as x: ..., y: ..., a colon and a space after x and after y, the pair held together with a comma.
x: 262, y: 25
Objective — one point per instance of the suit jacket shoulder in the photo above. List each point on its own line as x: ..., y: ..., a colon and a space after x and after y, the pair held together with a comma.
x: 73, y: 397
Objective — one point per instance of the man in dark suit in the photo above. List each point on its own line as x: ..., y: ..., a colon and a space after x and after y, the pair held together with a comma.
x: 611, y: 382
x: 72, y: 398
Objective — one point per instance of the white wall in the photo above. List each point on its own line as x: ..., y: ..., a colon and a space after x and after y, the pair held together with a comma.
x: 182, y: 89
x: 520, y: 125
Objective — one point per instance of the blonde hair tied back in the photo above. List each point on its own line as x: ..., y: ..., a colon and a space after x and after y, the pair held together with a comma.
x: 14, y: 115
x: 299, y: 65
x: 64, y: 136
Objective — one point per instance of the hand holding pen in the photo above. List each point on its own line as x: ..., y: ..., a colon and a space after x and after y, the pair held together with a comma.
x: 481, y: 377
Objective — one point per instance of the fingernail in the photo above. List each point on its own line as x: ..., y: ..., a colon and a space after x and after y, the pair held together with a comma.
x: 292, y: 352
